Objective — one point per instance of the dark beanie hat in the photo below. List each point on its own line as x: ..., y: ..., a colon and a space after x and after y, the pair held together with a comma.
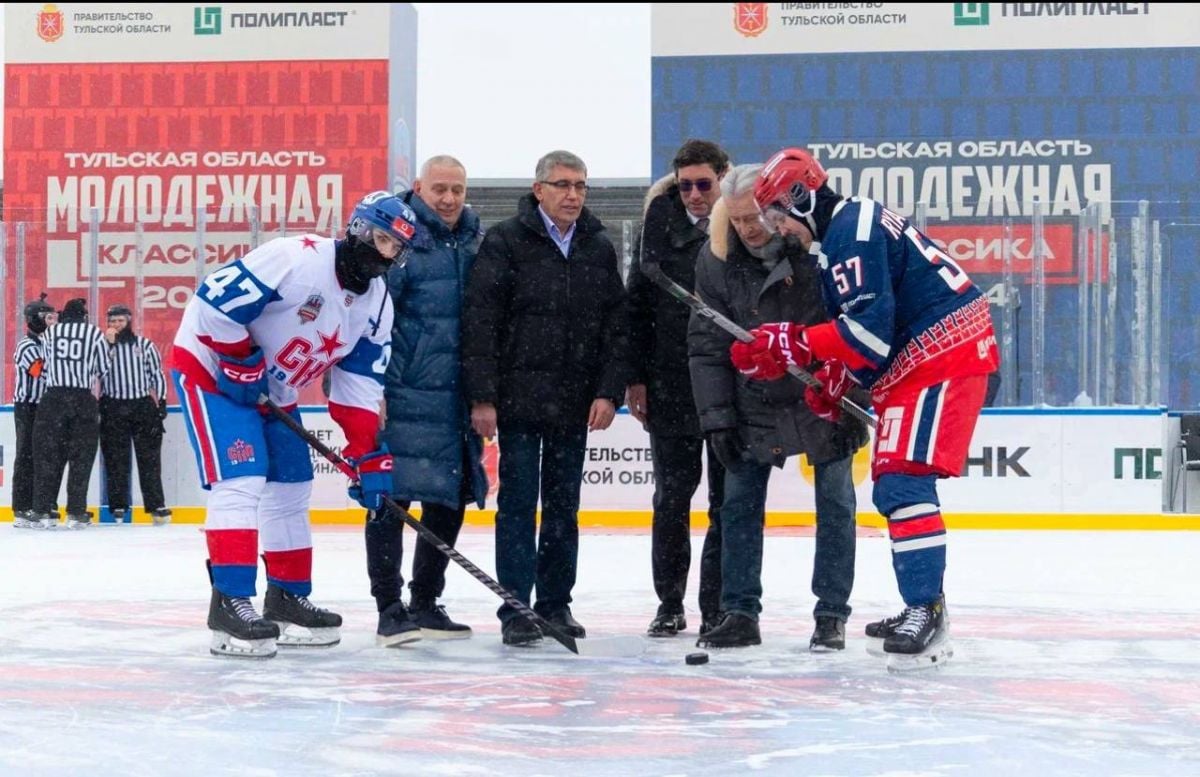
x: 75, y: 310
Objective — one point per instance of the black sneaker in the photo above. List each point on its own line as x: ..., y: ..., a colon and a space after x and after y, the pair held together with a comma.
x: 922, y: 626
x: 396, y: 626
x: 435, y: 623
x: 829, y: 635
x: 736, y: 630
x: 710, y: 622
x: 666, y: 624
x: 566, y: 623
x: 520, y: 632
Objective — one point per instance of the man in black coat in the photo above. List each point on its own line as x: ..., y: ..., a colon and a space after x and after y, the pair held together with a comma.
x: 544, y: 348
x: 660, y: 396
x: 752, y: 276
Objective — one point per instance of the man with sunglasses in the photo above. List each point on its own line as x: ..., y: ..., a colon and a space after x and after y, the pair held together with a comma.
x: 912, y: 327
x: 675, y: 226
x: 544, y: 348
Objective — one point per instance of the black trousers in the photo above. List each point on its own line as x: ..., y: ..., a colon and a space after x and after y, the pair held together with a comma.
x: 126, y: 423
x: 385, y: 549
x: 66, y: 429
x: 677, y: 469
x: 24, y: 414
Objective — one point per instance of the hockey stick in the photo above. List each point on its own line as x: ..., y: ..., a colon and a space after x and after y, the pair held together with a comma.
x: 656, y: 274
x: 610, y: 647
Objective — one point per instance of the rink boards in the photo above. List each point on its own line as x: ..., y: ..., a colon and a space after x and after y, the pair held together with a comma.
x: 1077, y: 468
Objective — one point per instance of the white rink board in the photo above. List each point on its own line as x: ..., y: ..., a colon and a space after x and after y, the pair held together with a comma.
x: 1032, y: 462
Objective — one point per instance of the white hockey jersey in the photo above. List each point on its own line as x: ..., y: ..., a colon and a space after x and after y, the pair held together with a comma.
x: 285, y: 298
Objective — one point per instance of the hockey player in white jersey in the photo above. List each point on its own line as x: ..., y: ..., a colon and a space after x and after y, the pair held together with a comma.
x: 274, y: 322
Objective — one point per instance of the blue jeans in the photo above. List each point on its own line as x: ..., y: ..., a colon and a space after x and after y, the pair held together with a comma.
x: 833, y: 562
x: 742, y: 516
x: 532, y: 456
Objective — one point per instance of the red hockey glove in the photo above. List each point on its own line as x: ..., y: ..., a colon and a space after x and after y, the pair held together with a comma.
x: 775, y: 347
x: 825, y: 402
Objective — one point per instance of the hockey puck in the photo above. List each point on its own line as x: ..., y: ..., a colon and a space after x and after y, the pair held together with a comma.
x: 695, y: 659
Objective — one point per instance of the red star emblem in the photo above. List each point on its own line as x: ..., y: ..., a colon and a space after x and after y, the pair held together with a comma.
x: 330, y: 344
x: 309, y: 242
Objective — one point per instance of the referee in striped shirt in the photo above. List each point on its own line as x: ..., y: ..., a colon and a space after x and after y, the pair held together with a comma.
x: 132, y: 409
x: 27, y: 392
x: 68, y: 424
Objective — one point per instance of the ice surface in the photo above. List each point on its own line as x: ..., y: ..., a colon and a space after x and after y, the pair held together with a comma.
x: 1076, y: 653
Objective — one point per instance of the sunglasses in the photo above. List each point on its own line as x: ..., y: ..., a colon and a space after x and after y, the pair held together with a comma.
x: 704, y: 185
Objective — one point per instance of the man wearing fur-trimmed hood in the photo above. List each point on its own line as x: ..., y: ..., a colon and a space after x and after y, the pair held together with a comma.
x: 751, y: 276
x: 676, y: 221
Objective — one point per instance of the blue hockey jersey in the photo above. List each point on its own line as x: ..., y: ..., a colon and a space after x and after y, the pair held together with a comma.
x: 899, y: 302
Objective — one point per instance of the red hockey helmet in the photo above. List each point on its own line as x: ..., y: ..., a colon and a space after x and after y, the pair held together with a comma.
x: 786, y: 185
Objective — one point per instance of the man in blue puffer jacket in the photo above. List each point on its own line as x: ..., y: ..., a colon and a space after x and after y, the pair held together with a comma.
x: 437, y: 456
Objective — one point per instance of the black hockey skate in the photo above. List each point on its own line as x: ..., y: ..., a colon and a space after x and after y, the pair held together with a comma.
x: 300, y: 622
x: 878, y: 631
x: 921, y: 640
x: 31, y: 519
x: 828, y: 636
x: 237, y: 629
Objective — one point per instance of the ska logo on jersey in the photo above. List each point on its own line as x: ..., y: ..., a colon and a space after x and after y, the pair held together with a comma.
x: 241, y: 452
x: 311, y: 308
x: 303, y: 362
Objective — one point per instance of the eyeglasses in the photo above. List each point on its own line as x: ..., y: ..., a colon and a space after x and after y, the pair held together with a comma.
x: 704, y: 185
x: 580, y: 187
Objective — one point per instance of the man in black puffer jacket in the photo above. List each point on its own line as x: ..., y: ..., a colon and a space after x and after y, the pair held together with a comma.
x: 544, y: 343
x: 660, y: 393
x: 752, y: 276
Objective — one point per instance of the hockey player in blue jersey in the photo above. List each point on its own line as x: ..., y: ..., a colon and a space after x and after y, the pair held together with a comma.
x: 910, y: 326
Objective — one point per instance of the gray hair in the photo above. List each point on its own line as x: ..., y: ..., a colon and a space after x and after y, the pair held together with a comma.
x: 441, y: 160
x: 739, y: 180
x: 558, y: 159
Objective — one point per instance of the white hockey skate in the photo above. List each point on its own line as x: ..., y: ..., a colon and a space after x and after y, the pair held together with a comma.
x: 237, y: 629
x: 300, y: 622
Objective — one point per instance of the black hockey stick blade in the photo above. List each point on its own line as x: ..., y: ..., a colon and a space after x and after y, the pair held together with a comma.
x: 655, y: 273
x: 610, y: 647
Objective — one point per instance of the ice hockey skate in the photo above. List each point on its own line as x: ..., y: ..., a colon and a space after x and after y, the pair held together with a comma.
x: 237, y: 629
x: 921, y: 640
x: 878, y: 631
x: 79, y: 520
x: 300, y: 622
x: 31, y: 519
x: 161, y: 516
